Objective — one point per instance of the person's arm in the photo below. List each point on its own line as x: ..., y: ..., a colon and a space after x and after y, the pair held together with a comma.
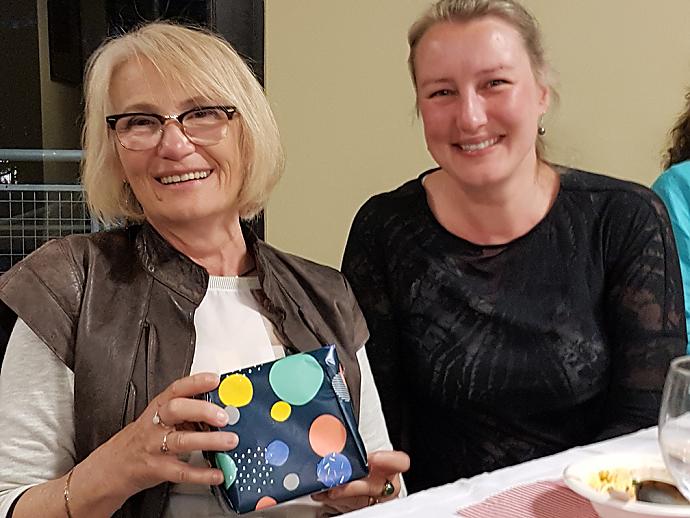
x: 36, y: 416
x: 364, y: 266
x: 673, y: 188
x: 643, y: 311
x: 37, y: 446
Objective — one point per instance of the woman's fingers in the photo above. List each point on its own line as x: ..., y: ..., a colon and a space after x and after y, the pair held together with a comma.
x: 184, y: 442
x: 189, y: 386
x: 181, y: 410
x: 384, y: 466
x: 180, y: 472
x: 388, y: 462
x: 343, y: 505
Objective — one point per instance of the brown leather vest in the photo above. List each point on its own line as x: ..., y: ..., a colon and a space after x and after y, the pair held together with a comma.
x: 118, y: 309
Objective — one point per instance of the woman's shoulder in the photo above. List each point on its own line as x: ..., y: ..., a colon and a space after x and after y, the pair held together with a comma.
x: 395, y: 199
x: 603, y: 187
x: 288, y: 266
x: 393, y: 208
x: 674, y: 179
x: 612, y: 199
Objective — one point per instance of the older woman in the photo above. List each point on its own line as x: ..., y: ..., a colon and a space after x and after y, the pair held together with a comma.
x: 673, y: 186
x: 516, y: 308
x: 97, y: 407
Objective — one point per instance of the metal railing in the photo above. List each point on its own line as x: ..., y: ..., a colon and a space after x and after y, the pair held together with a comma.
x: 30, y: 215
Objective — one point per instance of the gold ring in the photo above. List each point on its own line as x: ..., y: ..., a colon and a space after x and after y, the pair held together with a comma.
x: 156, y: 419
x: 164, y: 445
x: 388, y: 489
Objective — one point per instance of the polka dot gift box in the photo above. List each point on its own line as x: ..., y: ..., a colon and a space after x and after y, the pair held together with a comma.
x: 297, y: 431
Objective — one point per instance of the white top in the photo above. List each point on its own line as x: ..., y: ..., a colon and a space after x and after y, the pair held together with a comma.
x: 37, y: 396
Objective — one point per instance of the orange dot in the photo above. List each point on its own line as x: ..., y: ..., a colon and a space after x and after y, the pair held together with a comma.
x: 327, y: 435
x: 265, y: 502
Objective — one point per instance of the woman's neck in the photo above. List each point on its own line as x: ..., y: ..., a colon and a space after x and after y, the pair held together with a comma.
x: 220, y: 249
x: 495, y: 214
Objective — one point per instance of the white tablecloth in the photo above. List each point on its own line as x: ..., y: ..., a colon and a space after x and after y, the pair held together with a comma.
x: 444, y: 501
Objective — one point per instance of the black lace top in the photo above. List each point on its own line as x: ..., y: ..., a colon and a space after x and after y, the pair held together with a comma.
x: 487, y: 356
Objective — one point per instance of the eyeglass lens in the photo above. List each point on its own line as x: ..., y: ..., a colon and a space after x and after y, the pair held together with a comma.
x: 203, y: 127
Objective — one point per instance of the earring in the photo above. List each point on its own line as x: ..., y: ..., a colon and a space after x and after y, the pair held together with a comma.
x: 541, y: 130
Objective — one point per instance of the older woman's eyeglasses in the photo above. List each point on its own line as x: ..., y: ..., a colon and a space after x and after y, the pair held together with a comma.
x: 204, y: 126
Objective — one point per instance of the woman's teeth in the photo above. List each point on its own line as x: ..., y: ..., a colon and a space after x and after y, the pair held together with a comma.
x: 480, y: 145
x: 195, y: 175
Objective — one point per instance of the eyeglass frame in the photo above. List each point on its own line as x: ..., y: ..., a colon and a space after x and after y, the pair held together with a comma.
x: 111, y: 120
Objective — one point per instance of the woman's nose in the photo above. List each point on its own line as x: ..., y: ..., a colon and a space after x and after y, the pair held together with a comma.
x: 174, y: 143
x: 471, y: 112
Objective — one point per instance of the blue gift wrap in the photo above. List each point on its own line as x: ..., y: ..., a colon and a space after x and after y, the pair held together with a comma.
x: 297, y: 431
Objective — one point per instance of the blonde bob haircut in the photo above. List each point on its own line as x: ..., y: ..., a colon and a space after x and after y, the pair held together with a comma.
x: 510, y: 11
x: 209, y: 68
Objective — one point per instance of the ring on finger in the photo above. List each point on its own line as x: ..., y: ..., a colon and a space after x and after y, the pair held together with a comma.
x: 156, y: 419
x: 164, y: 444
x: 388, y: 489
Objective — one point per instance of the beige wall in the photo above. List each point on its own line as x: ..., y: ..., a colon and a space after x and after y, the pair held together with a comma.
x: 337, y: 80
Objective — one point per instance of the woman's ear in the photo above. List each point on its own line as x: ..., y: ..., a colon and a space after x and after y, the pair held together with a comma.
x: 544, y: 97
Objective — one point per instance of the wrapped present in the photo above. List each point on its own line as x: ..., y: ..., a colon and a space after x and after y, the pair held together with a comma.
x: 297, y: 431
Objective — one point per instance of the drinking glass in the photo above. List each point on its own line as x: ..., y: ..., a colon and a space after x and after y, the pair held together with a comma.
x: 674, y: 423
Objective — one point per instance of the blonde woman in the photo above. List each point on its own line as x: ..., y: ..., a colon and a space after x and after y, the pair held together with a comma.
x: 516, y: 308
x: 113, y: 334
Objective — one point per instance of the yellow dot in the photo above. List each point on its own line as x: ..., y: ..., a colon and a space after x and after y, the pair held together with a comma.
x: 281, y: 411
x: 236, y: 390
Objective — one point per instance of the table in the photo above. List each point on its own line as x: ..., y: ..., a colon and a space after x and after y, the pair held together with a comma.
x: 444, y: 501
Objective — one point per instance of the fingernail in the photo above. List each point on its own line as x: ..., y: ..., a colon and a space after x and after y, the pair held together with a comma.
x: 222, y: 417
x: 218, y: 478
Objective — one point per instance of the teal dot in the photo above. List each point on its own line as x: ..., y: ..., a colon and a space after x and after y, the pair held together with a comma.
x: 228, y: 467
x: 296, y: 379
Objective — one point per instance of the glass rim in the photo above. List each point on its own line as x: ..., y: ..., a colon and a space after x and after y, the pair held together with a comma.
x: 681, y: 363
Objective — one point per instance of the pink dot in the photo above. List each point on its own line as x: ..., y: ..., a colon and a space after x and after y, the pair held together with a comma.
x: 327, y: 435
x: 265, y: 502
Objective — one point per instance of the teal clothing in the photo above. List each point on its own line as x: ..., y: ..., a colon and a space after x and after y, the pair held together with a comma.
x: 673, y: 187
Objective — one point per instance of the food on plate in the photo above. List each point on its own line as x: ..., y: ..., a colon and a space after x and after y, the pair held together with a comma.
x: 619, y: 480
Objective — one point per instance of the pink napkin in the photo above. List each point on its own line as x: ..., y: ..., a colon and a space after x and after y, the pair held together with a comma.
x: 545, y: 499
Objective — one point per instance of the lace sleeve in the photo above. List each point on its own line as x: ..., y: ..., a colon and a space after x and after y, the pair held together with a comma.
x: 644, y: 313
x: 363, y: 266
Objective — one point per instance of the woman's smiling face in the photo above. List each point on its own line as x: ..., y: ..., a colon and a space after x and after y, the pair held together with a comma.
x: 479, y: 100
x: 177, y: 182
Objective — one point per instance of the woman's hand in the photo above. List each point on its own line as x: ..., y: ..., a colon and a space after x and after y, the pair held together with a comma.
x: 144, y: 453
x: 384, y: 466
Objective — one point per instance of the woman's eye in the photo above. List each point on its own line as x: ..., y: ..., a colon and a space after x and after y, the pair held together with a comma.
x: 206, y: 114
x: 496, y: 82
x: 141, y: 121
x: 441, y: 93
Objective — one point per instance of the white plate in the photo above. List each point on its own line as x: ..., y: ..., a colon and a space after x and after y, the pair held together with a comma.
x: 644, y: 467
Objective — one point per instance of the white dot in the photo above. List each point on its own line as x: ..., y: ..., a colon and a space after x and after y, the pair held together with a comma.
x: 291, y: 481
x: 254, y: 480
x: 259, y: 490
x: 253, y: 470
